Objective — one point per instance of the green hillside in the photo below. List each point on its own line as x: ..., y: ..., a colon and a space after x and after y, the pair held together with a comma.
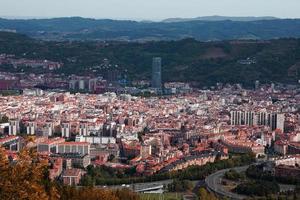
x: 185, y: 60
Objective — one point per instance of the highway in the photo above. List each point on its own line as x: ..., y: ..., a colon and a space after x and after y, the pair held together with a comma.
x: 213, y: 183
x: 141, y: 186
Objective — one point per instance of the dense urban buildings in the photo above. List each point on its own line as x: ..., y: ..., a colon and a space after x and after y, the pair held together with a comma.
x: 153, y: 134
x: 215, y: 118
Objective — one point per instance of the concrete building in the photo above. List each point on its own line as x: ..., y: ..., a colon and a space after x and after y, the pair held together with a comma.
x: 92, y: 84
x: 11, y: 143
x: 156, y: 73
x: 76, y: 160
x: 72, y: 84
x: 81, y: 84
x: 257, y: 84
x: 273, y: 120
x: 65, y: 130
x: 83, y: 129
x: 96, y: 139
x: 249, y: 118
x: 48, y: 129
x: 14, y: 127
x: 50, y: 145
x: 30, y: 129
x: 74, y: 147
x: 71, y: 176
x: 242, y: 118
x: 146, y: 151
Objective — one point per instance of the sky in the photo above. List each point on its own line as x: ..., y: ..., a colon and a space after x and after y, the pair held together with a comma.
x: 148, y: 9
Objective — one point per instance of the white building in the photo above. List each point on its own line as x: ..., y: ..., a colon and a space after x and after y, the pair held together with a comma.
x: 81, y: 84
x: 48, y: 129
x: 83, y: 129
x: 96, y: 140
x: 65, y: 130
x: 14, y: 127
x: 30, y: 128
x: 74, y: 147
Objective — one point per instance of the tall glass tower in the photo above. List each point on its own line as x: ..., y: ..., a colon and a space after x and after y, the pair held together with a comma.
x: 156, y: 73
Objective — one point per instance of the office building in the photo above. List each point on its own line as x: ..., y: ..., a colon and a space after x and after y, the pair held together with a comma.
x: 156, y: 73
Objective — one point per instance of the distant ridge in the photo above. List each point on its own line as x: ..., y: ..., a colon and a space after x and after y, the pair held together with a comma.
x: 220, y: 18
x: 215, y: 28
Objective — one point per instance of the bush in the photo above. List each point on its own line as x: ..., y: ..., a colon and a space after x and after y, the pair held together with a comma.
x: 233, y: 175
x: 258, y: 188
x: 180, y: 186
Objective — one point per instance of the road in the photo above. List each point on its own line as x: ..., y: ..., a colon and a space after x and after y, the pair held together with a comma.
x: 140, y: 186
x: 286, y: 187
x: 213, y: 182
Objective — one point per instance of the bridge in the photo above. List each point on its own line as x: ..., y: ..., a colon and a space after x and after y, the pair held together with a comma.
x: 155, y: 189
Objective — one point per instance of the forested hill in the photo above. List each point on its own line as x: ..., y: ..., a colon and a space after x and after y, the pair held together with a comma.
x: 203, y: 63
x: 203, y: 29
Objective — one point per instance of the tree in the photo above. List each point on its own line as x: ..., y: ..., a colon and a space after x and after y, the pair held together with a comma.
x: 23, y: 179
x: 126, y: 194
x: 204, y: 195
x: 180, y: 186
x: 92, y: 193
x: 4, y: 119
x: 258, y: 188
x: 233, y: 175
x: 111, y: 157
x: 28, y: 179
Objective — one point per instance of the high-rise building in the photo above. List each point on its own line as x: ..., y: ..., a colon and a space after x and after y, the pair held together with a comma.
x: 242, y: 118
x: 256, y: 84
x: 65, y: 130
x: 30, y: 128
x: 156, y: 73
x: 72, y: 84
x: 83, y: 129
x: 14, y: 127
x: 81, y: 84
x: 48, y: 129
x: 273, y: 120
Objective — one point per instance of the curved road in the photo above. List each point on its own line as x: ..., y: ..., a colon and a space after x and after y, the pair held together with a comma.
x: 213, y: 183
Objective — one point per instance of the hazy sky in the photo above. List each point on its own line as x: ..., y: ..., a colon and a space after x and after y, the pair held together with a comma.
x: 149, y: 9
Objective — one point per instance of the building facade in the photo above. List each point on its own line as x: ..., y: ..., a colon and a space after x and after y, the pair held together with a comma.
x: 156, y: 73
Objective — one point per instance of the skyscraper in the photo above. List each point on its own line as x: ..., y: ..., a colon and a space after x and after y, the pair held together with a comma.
x: 256, y: 84
x: 156, y: 73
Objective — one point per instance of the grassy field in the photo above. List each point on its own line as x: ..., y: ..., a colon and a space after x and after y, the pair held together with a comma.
x: 165, y: 196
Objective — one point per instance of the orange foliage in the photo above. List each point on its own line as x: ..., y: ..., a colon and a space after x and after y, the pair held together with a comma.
x: 23, y: 179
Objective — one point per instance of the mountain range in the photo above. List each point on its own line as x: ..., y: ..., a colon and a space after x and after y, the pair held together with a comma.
x: 213, y: 28
x: 220, y: 18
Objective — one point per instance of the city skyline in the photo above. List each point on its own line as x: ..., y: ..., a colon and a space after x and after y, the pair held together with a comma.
x: 143, y: 10
x: 161, y: 99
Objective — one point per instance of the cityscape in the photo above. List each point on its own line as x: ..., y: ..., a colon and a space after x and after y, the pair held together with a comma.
x: 109, y: 115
